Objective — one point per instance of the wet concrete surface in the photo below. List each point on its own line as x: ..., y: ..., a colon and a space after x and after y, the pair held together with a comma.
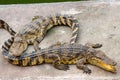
x: 99, y: 23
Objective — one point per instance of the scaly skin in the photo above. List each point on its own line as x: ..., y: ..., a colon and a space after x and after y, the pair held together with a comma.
x: 63, y: 55
x: 34, y: 32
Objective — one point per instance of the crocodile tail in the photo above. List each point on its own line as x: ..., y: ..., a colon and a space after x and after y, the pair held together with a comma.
x: 5, y: 50
x: 23, y: 60
x: 67, y: 20
x: 72, y: 22
x: 5, y: 26
x: 75, y: 30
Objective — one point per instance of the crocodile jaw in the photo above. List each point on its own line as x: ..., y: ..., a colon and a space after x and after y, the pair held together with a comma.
x: 100, y: 63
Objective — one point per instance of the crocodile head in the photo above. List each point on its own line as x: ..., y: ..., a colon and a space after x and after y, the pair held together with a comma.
x: 18, y: 46
x: 101, y: 60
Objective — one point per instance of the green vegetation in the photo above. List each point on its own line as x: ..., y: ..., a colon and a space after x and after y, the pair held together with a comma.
x: 31, y: 1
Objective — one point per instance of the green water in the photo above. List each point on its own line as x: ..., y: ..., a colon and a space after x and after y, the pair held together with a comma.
x: 32, y: 1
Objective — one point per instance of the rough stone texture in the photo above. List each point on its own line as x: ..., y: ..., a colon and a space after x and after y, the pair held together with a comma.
x: 99, y: 23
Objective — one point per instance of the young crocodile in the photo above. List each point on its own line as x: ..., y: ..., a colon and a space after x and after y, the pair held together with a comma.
x: 62, y: 55
x: 35, y: 31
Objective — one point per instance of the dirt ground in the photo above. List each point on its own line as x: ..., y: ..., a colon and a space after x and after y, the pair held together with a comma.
x: 99, y: 23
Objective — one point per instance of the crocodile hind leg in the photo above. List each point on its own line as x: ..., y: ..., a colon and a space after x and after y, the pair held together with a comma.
x: 55, y: 59
x: 81, y: 65
x: 91, y: 45
x: 58, y: 65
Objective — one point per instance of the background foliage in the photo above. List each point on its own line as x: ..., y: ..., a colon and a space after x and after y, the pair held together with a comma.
x: 32, y: 1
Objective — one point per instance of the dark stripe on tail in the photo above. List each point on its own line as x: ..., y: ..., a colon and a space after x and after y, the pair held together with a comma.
x: 5, y: 26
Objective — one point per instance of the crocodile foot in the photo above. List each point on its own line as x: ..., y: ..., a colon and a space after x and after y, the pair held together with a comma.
x: 97, y: 45
x: 63, y: 67
x: 93, y: 45
x: 60, y: 66
x: 87, y: 71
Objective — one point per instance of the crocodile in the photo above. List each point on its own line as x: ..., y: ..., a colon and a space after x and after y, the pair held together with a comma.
x: 34, y: 32
x: 60, y: 56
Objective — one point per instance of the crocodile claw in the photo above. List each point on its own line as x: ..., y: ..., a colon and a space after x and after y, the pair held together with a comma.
x: 97, y: 45
x: 66, y: 67
x: 87, y: 71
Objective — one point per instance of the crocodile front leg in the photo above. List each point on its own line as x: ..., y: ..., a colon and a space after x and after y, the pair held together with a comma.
x: 36, y: 46
x: 81, y: 65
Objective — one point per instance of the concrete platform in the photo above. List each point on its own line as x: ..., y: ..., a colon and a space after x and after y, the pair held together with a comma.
x: 99, y: 23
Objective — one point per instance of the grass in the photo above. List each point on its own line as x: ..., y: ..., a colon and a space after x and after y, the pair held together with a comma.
x: 31, y: 1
